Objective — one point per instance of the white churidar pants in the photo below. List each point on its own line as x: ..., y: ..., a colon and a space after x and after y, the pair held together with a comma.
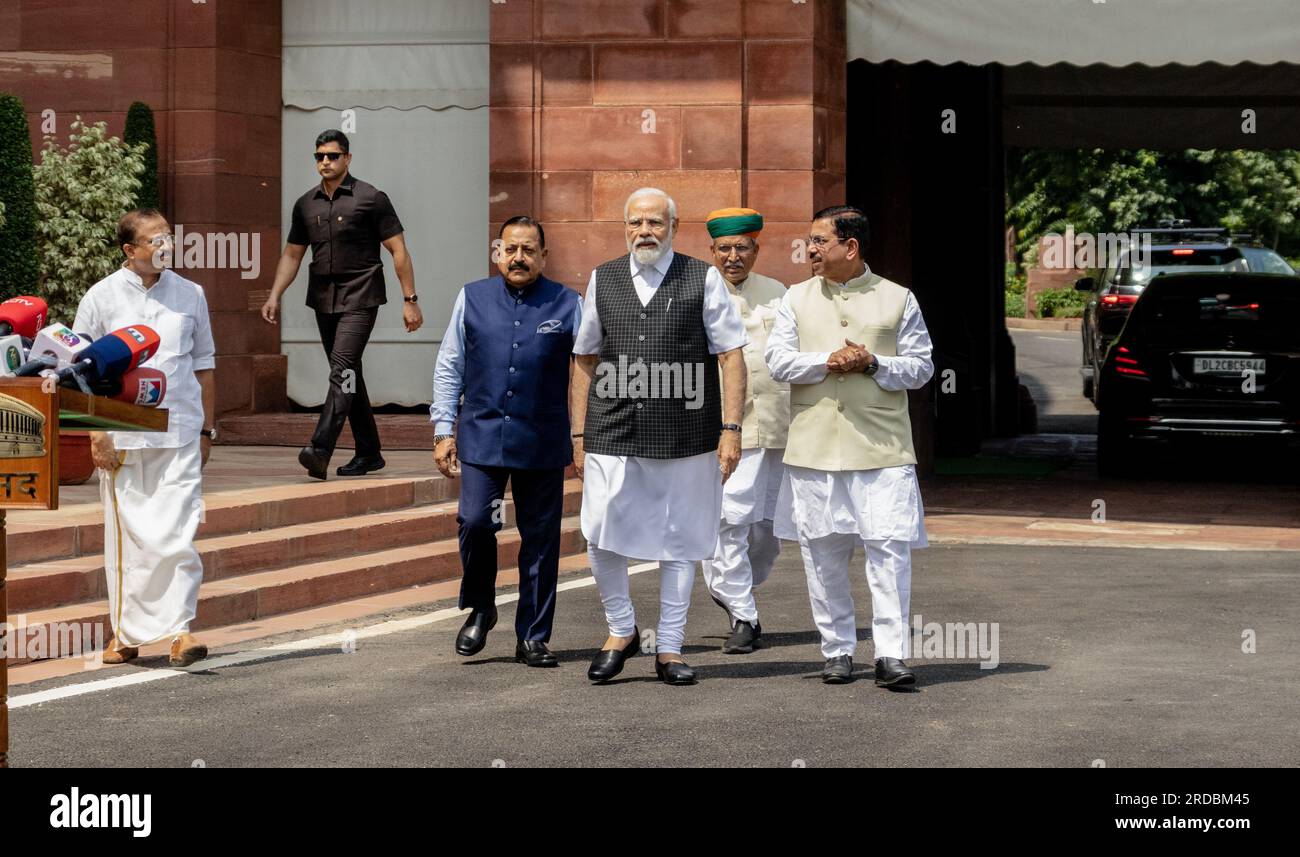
x: 675, y: 579
x: 746, y: 548
x: 830, y: 592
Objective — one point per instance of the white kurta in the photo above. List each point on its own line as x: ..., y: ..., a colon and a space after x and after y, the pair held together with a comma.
x: 652, y: 508
x: 872, y: 504
x: 750, y: 495
x: 657, y: 508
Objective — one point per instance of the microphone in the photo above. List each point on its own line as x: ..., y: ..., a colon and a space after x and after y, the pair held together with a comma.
x: 58, y: 341
x: 144, y: 386
x: 12, y: 355
x: 113, y: 355
x: 23, y: 315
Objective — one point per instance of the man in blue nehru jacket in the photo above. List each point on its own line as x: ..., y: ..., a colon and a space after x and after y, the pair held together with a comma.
x: 507, y: 350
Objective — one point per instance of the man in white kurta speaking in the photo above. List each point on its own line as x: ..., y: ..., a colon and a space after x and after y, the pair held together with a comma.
x: 851, y: 343
x: 747, y: 548
x: 151, y: 482
x: 653, y: 438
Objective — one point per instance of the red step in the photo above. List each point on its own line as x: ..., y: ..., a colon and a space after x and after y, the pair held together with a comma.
x: 252, y: 596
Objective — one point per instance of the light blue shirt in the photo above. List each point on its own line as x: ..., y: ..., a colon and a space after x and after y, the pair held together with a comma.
x: 449, y: 371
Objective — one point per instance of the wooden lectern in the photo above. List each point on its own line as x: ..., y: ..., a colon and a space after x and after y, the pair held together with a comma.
x: 31, y: 416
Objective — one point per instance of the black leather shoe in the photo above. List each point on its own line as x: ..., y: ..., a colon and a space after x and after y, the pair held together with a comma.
x: 674, y: 672
x: 316, y: 460
x: 891, y: 672
x: 744, y: 638
x: 609, y: 663
x: 535, y: 654
x: 473, y: 634
x: 359, y: 466
x: 838, y: 670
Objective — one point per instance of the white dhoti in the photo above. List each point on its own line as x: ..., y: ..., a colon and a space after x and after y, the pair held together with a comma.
x: 650, y: 509
x: 831, y: 511
x: 747, y: 547
x: 152, y: 510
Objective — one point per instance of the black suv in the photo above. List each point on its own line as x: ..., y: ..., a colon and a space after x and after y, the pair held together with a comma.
x: 1207, y: 357
x: 1114, y: 290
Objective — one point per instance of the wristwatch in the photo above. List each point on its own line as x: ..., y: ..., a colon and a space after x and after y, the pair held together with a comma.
x: 439, y: 438
x: 410, y: 299
x: 210, y: 433
x: 730, y: 427
x: 873, y: 366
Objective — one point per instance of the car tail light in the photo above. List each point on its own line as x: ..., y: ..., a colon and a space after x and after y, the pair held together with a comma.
x: 1183, y: 252
x: 1127, y: 364
x: 1117, y: 301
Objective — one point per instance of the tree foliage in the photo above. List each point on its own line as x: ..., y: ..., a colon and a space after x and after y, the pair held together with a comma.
x: 1104, y: 190
x: 140, y: 130
x: 18, y: 268
x: 81, y: 192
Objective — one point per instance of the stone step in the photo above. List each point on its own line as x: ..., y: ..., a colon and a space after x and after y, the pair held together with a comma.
x: 40, y: 586
x: 396, y: 431
x: 248, y: 597
x: 77, y: 531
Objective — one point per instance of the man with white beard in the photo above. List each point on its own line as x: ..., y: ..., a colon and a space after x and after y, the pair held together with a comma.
x: 653, y: 438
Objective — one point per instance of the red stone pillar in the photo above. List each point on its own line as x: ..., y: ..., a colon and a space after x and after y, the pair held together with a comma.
x: 211, y: 73
x: 718, y: 102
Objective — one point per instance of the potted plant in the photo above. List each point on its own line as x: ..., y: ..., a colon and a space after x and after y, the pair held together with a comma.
x: 81, y: 191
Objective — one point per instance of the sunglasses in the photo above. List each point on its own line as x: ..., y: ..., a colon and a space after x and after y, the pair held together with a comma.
x: 333, y: 156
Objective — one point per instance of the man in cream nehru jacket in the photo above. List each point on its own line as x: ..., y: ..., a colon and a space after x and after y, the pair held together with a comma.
x: 747, y: 549
x: 851, y: 343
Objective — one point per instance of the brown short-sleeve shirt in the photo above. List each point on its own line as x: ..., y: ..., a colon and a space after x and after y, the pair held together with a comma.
x: 345, y: 234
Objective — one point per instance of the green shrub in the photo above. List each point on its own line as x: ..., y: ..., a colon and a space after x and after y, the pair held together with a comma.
x: 1060, y: 303
x: 140, y: 131
x: 81, y: 192
x: 18, y: 266
x: 1015, y: 304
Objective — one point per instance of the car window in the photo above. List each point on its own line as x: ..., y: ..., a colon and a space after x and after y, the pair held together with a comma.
x: 1192, y: 313
x: 1179, y: 260
x: 1266, y: 261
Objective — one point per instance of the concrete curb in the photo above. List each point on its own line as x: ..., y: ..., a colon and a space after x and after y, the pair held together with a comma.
x: 1044, y: 323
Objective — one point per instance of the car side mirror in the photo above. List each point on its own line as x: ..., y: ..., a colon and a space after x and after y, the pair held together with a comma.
x: 1085, y: 284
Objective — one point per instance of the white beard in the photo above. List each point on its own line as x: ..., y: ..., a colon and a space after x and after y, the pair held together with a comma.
x: 647, y: 256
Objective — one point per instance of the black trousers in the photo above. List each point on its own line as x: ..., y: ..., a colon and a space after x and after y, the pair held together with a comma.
x: 539, y: 507
x: 344, y: 336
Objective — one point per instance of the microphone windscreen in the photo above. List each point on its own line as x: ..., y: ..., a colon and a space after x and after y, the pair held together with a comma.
x: 59, y: 342
x: 23, y: 315
x: 115, y: 354
x: 143, y: 386
x: 12, y: 355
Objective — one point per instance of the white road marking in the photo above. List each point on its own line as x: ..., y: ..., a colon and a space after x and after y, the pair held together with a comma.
x: 323, y: 641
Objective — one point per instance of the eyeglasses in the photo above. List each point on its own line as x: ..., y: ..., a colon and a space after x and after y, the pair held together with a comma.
x: 821, y: 241
x: 333, y: 156
x: 158, y: 241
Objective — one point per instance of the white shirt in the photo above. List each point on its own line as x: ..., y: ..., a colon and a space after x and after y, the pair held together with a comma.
x: 449, y: 371
x: 176, y: 308
x: 722, y: 323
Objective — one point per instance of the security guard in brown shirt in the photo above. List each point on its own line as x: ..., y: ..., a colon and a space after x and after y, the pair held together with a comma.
x: 344, y: 220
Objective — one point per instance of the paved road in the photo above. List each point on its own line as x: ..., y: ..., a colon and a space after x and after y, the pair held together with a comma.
x: 1129, y: 656
x: 1048, y: 364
